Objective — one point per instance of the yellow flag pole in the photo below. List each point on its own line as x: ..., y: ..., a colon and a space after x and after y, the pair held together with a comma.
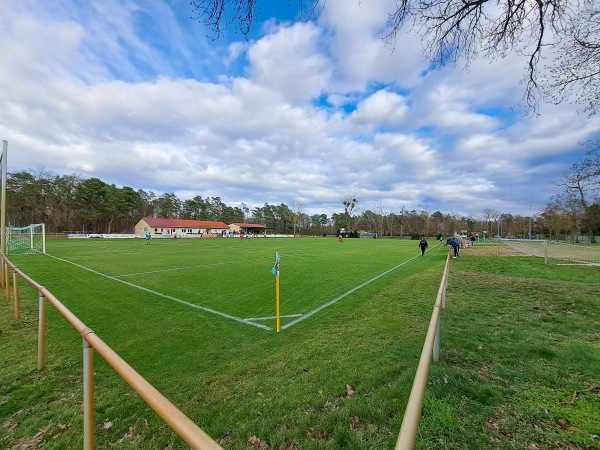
x: 275, y: 271
x: 277, y: 314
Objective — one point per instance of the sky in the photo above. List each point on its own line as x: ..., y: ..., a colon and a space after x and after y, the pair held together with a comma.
x: 139, y: 94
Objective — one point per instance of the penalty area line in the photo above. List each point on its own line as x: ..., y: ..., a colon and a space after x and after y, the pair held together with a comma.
x: 335, y: 300
x: 175, y: 299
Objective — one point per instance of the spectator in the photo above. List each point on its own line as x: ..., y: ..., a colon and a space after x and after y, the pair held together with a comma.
x: 423, y: 245
x: 455, y: 246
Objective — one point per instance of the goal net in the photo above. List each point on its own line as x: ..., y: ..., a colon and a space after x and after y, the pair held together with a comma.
x: 555, y: 252
x: 29, y: 239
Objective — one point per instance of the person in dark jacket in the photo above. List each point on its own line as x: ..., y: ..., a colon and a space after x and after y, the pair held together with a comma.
x: 423, y: 245
x: 455, y: 246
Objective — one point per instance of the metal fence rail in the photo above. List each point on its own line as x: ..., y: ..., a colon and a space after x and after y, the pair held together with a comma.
x: 194, y: 436
x: 431, y: 350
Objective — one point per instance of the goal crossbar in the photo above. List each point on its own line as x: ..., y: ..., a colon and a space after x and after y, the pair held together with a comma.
x: 23, y: 240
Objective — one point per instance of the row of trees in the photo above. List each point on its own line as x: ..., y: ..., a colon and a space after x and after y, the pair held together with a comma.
x: 575, y: 209
x: 71, y: 203
x: 67, y: 203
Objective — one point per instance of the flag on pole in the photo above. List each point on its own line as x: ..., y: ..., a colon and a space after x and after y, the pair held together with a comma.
x: 275, y: 269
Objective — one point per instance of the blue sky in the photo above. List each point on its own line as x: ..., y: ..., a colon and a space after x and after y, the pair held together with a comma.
x: 137, y: 94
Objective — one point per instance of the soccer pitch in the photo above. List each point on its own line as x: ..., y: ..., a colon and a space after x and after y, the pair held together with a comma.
x: 196, y: 318
x: 231, y: 279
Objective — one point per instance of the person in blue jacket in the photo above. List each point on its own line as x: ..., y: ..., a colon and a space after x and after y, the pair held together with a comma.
x: 455, y: 246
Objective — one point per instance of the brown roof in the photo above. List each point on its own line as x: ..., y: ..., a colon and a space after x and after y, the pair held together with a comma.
x: 182, y: 223
x: 249, y: 225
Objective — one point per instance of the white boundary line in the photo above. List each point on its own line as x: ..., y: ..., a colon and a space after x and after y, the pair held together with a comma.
x: 183, y: 302
x: 335, y: 300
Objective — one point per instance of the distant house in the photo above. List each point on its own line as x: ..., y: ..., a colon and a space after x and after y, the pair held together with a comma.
x: 252, y: 228
x: 157, y: 226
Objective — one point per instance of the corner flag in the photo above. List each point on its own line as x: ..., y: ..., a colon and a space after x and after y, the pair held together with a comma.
x: 275, y: 269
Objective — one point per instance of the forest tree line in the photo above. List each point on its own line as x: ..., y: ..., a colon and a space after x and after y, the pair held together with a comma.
x: 71, y: 203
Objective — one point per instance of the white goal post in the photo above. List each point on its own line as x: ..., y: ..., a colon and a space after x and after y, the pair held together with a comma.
x: 23, y: 240
x: 555, y: 252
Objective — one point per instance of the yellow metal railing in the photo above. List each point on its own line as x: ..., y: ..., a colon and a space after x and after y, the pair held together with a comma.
x: 194, y: 436
x: 431, y: 350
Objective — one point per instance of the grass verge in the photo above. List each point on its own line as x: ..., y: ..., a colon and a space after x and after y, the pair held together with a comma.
x: 521, y: 357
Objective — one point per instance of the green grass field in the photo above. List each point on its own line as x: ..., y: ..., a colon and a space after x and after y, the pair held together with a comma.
x: 229, y: 277
x: 519, y: 361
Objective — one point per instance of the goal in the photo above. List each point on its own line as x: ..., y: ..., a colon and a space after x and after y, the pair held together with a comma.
x: 556, y: 252
x: 23, y: 240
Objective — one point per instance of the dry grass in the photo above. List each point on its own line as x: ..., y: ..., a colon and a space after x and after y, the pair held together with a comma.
x: 490, y: 250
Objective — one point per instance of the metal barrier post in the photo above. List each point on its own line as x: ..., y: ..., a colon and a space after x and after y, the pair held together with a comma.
x: 16, y: 294
x: 6, y: 282
x: 88, y: 392
x: 41, y: 330
x: 436, y: 342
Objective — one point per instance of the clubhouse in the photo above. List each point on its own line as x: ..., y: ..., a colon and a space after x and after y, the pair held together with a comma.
x: 157, y: 226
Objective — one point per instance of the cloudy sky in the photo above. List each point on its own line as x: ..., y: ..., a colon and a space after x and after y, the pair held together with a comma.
x: 136, y: 93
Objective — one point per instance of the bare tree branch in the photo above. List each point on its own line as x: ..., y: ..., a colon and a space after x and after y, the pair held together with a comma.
x: 583, y: 178
x: 218, y: 15
x: 454, y: 30
x: 575, y: 74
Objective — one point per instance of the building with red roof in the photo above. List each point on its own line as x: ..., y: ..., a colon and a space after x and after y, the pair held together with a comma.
x: 158, y: 226
x: 254, y: 229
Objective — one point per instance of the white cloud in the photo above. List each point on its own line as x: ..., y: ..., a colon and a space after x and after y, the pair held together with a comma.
x: 356, y: 46
x: 136, y: 95
x: 382, y: 108
x: 289, y: 61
